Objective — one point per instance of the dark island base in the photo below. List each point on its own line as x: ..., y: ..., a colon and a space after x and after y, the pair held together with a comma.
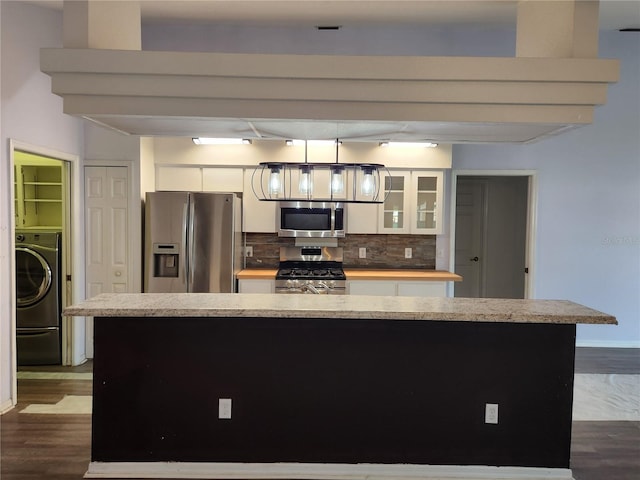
x: 332, y: 391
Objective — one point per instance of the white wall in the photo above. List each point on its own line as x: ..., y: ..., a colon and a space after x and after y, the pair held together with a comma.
x: 32, y: 115
x: 588, y: 236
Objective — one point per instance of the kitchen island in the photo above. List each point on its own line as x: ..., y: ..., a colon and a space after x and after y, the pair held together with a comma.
x: 332, y: 387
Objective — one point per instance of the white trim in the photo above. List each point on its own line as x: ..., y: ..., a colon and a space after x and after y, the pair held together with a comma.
x: 320, y: 471
x: 607, y: 344
x: 532, y: 217
x: 6, y: 406
x: 13, y: 401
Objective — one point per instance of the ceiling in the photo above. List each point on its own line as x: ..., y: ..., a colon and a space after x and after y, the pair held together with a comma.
x: 614, y: 15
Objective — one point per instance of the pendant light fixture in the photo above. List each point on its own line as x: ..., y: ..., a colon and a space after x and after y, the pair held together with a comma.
x: 271, y: 181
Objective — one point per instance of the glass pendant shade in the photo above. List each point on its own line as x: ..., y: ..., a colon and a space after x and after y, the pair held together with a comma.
x: 368, y: 183
x: 305, y: 186
x: 275, y: 182
x: 337, y: 180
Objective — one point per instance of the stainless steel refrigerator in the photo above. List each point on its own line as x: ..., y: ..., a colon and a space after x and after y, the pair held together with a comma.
x: 192, y: 242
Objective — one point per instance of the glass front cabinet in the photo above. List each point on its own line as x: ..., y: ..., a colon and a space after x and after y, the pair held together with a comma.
x: 414, y: 203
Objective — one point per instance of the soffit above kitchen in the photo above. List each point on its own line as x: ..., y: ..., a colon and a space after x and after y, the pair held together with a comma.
x: 359, y: 98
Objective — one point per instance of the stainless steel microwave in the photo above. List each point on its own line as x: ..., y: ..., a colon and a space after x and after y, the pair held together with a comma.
x: 311, y: 219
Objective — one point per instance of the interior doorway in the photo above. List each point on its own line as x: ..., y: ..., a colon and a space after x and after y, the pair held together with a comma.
x: 492, y: 250
x: 66, y: 189
x: 41, y: 232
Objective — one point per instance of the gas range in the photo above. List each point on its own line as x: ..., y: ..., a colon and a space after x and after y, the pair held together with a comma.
x: 315, y: 270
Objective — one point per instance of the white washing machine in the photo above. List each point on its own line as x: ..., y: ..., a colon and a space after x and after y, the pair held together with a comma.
x: 38, y: 297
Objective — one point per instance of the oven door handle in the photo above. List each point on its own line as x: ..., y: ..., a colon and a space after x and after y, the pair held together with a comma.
x: 333, y: 220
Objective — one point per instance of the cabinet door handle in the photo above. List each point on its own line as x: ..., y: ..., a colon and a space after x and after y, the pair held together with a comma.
x: 474, y: 259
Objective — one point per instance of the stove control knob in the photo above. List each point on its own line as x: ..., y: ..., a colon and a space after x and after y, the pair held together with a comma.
x: 289, y: 283
x: 332, y: 284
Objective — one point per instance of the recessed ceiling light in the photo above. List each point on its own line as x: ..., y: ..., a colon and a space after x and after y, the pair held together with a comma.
x: 311, y: 143
x: 220, y: 141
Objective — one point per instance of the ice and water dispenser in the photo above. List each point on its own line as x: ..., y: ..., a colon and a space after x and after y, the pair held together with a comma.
x: 166, y: 259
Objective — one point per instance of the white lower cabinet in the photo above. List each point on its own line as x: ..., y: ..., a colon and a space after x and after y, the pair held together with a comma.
x: 256, y: 286
x: 371, y: 287
x: 422, y: 289
x: 397, y: 288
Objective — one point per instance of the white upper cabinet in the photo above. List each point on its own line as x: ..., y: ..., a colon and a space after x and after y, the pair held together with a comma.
x: 427, y: 196
x: 257, y: 216
x: 178, y: 179
x: 222, y: 180
x: 414, y: 203
x: 199, y: 179
x: 362, y: 218
x: 394, y: 214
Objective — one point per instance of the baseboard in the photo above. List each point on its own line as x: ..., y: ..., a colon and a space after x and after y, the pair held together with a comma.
x: 6, y: 406
x: 606, y: 344
x: 312, y: 471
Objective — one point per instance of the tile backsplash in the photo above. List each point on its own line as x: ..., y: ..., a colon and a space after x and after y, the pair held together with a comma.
x: 383, y: 251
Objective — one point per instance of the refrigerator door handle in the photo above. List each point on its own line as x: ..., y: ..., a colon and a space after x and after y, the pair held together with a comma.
x: 191, y: 245
x: 185, y: 247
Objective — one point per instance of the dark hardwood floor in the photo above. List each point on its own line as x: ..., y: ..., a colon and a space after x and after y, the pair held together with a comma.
x: 57, y: 447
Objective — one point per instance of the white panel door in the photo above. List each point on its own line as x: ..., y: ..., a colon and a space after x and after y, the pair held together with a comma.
x: 106, y: 227
x: 106, y: 192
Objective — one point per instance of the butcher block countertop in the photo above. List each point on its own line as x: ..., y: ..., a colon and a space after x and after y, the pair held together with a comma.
x: 257, y: 274
x: 428, y: 275
x: 364, y: 274
x: 344, y: 307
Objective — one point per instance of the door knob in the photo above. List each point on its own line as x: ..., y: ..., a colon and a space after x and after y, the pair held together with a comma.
x: 474, y: 259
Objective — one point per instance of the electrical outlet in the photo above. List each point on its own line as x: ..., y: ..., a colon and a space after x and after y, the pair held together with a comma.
x: 362, y: 252
x: 248, y: 251
x: 491, y: 413
x: 224, y: 408
x: 408, y: 252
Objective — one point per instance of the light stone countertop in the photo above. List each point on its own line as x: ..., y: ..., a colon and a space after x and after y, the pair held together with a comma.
x: 337, y: 306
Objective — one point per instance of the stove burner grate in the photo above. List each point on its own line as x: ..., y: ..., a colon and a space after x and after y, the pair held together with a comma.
x: 329, y: 272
